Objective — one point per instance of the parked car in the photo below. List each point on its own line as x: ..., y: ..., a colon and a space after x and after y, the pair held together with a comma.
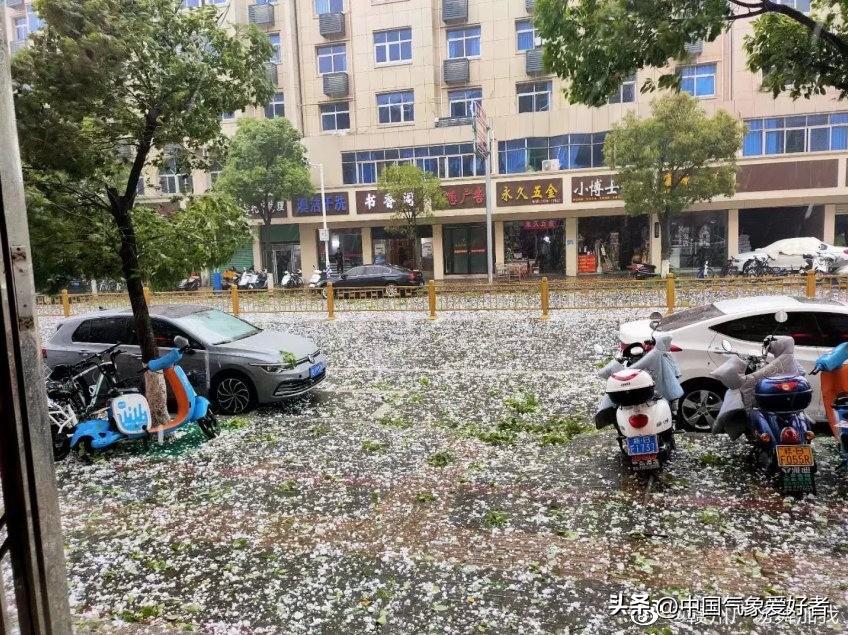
x: 391, y: 279
x: 236, y: 364
x: 816, y: 326
x: 789, y: 254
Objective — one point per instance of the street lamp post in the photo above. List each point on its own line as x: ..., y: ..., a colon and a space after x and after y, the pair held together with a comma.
x: 326, y: 232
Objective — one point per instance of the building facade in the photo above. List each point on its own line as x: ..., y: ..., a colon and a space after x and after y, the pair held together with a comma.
x: 375, y: 82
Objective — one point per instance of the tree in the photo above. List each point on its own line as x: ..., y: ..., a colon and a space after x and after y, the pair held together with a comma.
x: 414, y: 194
x: 595, y: 44
x: 677, y: 157
x: 265, y: 166
x: 109, y: 87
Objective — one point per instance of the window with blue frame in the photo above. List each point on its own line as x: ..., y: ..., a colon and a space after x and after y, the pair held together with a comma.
x: 626, y: 93
x: 396, y: 107
x: 574, y: 151
x: 276, y: 56
x: 462, y: 101
x: 329, y: 6
x: 797, y: 133
x: 534, y: 96
x: 448, y: 161
x: 335, y: 116
x: 699, y: 80
x: 332, y: 59
x: 464, y: 42
x: 799, y: 5
x: 393, y: 46
x: 525, y: 35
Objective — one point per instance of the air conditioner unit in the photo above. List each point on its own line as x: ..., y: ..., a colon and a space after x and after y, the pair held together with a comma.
x: 551, y: 165
x: 537, y: 41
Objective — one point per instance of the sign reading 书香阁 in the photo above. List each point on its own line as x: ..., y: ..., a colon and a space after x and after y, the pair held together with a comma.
x: 530, y: 192
x: 594, y: 188
x: 468, y: 195
x: 337, y: 204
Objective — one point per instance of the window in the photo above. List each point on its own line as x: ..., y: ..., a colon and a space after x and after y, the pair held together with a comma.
x: 165, y: 332
x: 21, y: 29
x: 139, y: 187
x: 395, y: 107
x: 462, y: 102
x: 393, y: 46
x: 103, y: 331
x: 799, y: 5
x: 452, y: 160
x: 214, y: 173
x: 332, y: 59
x: 626, y: 93
x: 464, y: 42
x: 573, y: 151
x: 698, y: 80
x: 277, y: 56
x: 34, y: 21
x: 525, y: 35
x: 799, y: 133
x: 834, y: 328
x: 192, y: 4
x: 228, y: 116
x: 534, y: 96
x: 329, y: 6
x: 801, y: 325
x: 335, y: 116
x: 276, y: 107
x: 171, y: 182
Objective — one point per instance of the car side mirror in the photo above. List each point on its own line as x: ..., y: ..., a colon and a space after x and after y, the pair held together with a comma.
x: 180, y: 341
x: 726, y: 346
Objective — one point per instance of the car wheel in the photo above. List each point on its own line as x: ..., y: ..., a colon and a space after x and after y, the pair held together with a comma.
x: 233, y: 394
x: 699, y: 406
x: 391, y: 291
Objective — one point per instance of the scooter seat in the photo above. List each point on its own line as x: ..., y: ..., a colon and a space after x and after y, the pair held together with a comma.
x: 841, y: 401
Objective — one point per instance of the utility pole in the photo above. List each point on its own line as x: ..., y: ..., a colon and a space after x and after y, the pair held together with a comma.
x: 483, y: 139
x: 325, y: 232
x: 30, y: 501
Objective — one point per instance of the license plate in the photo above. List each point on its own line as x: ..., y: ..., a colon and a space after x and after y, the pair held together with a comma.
x: 795, y: 456
x: 642, y: 445
x: 316, y: 370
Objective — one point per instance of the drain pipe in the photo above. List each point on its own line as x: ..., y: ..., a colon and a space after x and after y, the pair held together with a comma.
x: 296, y: 61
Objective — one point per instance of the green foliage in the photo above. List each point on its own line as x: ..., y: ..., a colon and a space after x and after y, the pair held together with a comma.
x: 524, y: 403
x: 595, y: 44
x: 673, y: 159
x: 395, y: 421
x: 235, y: 423
x: 495, y: 518
x: 265, y: 166
x: 416, y: 195
x: 371, y: 445
x: 442, y: 458
x: 425, y: 497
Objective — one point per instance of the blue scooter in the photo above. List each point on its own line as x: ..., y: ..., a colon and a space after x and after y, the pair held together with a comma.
x: 129, y: 414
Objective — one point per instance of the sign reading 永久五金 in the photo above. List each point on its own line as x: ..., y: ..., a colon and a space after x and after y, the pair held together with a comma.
x: 594, y: 188
x: 465, y: 196
x: 530, y: 192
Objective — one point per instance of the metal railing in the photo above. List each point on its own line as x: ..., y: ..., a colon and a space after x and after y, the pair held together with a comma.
x: 538, y: 297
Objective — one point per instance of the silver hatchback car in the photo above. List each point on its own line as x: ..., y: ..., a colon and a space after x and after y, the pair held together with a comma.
x: 236, y: 364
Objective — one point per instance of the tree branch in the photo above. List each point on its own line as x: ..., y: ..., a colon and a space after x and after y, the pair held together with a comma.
x: 815, y: 27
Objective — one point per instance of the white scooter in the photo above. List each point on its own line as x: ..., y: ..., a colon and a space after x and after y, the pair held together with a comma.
x: 642, y: 384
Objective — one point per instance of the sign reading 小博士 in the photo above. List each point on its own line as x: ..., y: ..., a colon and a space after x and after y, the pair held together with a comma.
x: 530, y: 192
x: 337, y: 204
x: 594, y: 188
x: 464, y: 196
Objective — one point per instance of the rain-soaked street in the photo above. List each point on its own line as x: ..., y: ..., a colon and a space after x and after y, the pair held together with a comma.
x: 444, y: 479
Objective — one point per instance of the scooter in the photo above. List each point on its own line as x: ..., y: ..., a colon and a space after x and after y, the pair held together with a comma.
x: 834, y: 387
x: 705, y: 271
x: 819, y: 263
x: 641, y: 387
x: 192, y: 283
x: 291, y: 280
x: 251, y: 279
x: 641, y: 271
x: 318, y: 276
x: 128, y: 415
x: 765, y: 402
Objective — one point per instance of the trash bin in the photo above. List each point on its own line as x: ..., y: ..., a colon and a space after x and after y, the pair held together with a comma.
x: 216, y: 281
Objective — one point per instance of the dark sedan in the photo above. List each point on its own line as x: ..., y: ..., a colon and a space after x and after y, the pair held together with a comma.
x: 391, y: 280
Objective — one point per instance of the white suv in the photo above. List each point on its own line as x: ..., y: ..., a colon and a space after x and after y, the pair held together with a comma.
x: 816, y: 325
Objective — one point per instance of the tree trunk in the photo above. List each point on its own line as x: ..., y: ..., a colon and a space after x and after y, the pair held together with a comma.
x: 412, y: 234
x: 665, y: 235
x: 265, y: 244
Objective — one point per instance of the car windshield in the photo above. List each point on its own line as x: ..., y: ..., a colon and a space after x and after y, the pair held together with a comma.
x: 216, y: 327
x: 689, y: 316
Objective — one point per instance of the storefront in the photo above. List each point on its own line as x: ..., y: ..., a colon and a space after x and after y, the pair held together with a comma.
x: 282, y: 249
x: 538, y: 246
x: 345, y: 249
x: 763, y: 226
x: 696, y: 238
x: 607, y: 244
x: 841, y: 227
x: 465, y: 249
x: 392, y: 247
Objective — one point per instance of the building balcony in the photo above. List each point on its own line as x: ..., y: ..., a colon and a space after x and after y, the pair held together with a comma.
x: 447, y: 122
x: 694, y: 48
x: 260, y: 14
x: 454, y: 11
x: 331, y: 25
x: 336, y: 85
x: 271, y: 72
x: 534, y: 63
x: 456, y: 71
x: 529, y: 5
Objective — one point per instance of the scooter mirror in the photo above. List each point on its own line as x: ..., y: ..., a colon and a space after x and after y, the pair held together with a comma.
x: 656, y: 316
x: 636, y: 351
x: 180, y: 341
x: 781, y: 317
x: 725, y: 345
x: 598, y: 349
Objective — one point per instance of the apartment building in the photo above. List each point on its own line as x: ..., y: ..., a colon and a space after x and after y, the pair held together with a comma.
x: 374, y: 82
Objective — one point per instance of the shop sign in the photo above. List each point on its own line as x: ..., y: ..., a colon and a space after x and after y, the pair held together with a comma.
x: 540, y: 224
x: 464, y: 196
x: 337, y: 204
x: 594, y: 188
x: 532, y: 192
x: 279, y: 210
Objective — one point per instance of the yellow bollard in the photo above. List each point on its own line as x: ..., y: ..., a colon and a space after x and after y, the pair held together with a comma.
x: 431, y: 298
x: 670, y: 293
x: 331, y: 302
x: 66, y: 303
x: 234, y: 299
x: 811, y: 284
x: 546, y: 299
x: 148, y: 296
